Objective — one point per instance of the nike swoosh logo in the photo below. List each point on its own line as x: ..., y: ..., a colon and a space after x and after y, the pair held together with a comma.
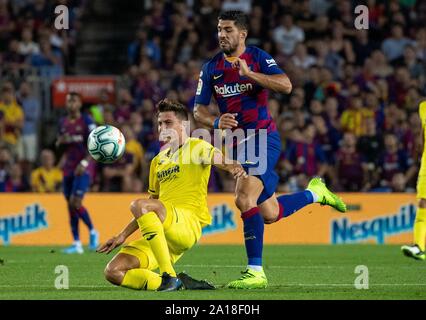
x: 217, y: 77
x: 149, y: 235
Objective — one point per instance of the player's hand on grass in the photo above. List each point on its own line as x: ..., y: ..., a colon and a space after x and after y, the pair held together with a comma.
x: 227, y: 121
x: 241, y: 65
x: 111, y: 244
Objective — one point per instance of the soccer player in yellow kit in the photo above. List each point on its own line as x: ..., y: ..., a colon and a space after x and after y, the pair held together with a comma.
x: 172, y: 218
x: 417, y: 250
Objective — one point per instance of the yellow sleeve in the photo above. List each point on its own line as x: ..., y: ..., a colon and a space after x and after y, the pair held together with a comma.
x: 422, y: 111
x: 206, y: 152
x: 34, y: 179
x: 154, y: 185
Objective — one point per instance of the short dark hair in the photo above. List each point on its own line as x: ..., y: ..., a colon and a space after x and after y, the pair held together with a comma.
x: 240, y: 19
x: 179, y: 109
x: 75, y: 94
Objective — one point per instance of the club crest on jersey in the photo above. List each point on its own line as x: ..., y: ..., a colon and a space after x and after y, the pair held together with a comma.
x: 271, y: 62
x: 233, y: 90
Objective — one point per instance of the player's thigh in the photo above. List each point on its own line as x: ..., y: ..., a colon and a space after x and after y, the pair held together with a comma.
x: 67, y: 184
x: 183, y: 231
x: 80, y: 185
x: 123, y: 261
x: 270, y: 209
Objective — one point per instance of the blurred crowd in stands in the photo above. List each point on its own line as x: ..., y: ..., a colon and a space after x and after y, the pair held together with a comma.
x: 351, y: 118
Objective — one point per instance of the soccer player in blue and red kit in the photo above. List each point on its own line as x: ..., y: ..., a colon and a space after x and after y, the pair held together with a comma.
x: 73, y: 132
x: 239, y: 78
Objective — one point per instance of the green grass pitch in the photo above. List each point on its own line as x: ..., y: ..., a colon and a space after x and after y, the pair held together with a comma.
x: 294, y: 272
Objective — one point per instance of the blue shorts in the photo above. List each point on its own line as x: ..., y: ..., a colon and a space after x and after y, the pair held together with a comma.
x: 259, y: 159
x: 76, y: 185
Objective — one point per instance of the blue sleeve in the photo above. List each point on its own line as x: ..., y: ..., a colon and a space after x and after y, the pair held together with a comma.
x: 267, y: 64
x: 204, y: 88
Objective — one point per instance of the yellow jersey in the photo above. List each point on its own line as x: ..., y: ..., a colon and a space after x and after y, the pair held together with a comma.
x: 43, y: 180
x: 422, y: 113
x: 12, y: 114
x: 181, y: 177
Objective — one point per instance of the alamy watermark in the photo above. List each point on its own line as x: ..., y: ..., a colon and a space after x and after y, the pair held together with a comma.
x: 62, y: 20
x: 362, y: 280
x: 62, y: 280
x: 361, y: 22
x: 248, y: 147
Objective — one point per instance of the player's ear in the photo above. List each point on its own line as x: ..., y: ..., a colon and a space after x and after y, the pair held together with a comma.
x: 243, y: 34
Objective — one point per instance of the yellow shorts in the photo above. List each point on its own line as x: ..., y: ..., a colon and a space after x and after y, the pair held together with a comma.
x: 421, y: 186
x: 182, y: 230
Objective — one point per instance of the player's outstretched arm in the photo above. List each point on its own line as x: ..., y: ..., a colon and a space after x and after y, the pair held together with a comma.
x: 119, y: 239
x: 232, y: 166
x: 275, y: 82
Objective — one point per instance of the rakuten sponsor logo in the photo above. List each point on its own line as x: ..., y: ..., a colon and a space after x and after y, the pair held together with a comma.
x: 236, y: 89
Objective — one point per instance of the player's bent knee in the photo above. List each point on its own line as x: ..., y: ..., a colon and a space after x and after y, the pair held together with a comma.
x: 113, y: 275
x: 244, y: 202
x: 422, y: 203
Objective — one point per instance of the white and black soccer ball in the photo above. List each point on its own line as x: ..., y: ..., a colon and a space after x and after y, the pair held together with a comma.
x: 106, y: 144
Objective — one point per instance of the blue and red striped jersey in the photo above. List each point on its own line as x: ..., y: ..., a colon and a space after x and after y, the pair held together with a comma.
x: 236, y: 94
x: 78, y: 131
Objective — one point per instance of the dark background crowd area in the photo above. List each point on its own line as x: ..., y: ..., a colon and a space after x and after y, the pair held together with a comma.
x: 352, y: 116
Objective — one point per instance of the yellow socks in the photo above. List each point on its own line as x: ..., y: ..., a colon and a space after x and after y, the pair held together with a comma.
x: 420, y: 228
x: 141, y: 279
x: 153, y: 231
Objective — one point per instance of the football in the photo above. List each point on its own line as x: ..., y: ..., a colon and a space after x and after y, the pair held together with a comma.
x: 106, y: 144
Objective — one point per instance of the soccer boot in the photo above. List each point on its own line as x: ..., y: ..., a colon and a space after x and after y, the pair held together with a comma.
x: 169, y: 283
x: 413, y: 252
x: 73, y: 249
x: 94, y: 240
x: 250, y: 279
x: 325, y: 196
x: 190, y: 283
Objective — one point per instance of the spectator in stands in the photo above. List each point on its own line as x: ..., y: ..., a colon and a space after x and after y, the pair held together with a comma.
x: 32, y: 110
x: 393, y: 47
x: 27, y: 46
x: 7, y: 24
x: 118, y: 176
x: 125, y: 106
x: 97, y: 110
x: 135, y: 149
x: 394, y: 160
x: 13, y: 116
x: 46, y: 56
x: 17, y: 181
x: 6, y: 161
x: 47, y: 177
x: 350, y: 166
x: 287, y: 35
x: 306, y: 156
x: 354, y: 118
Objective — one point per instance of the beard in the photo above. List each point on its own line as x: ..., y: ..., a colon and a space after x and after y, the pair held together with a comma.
x: 228, y: 48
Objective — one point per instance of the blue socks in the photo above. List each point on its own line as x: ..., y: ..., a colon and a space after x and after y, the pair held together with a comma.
x: 253, y: 235
x: 254, y: 225
x: 84, y: 215
x: 290, y: 203
x: 75, y: 216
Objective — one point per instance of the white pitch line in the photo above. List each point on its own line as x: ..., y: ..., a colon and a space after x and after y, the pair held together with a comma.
x: 283, y: 285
